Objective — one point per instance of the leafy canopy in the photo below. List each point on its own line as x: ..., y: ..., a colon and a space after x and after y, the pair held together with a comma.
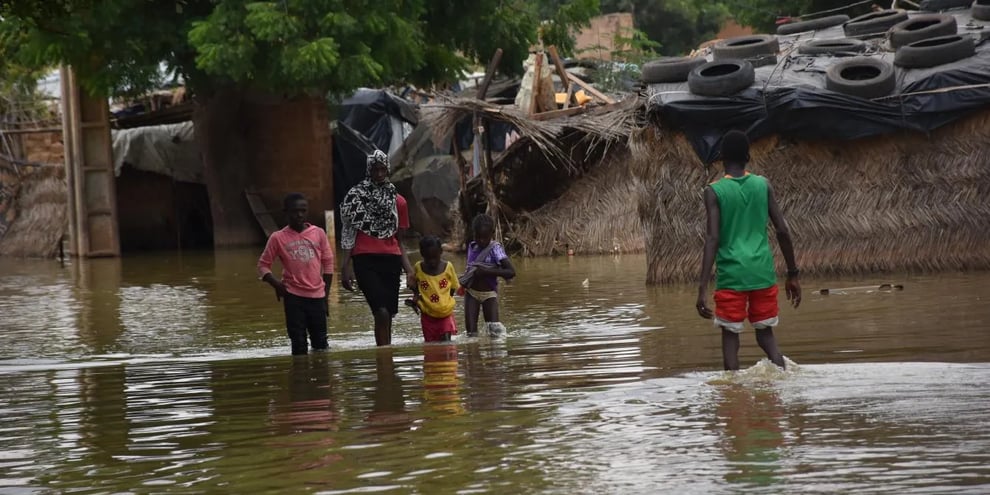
x: 762, y: 15
x: 286, y: 46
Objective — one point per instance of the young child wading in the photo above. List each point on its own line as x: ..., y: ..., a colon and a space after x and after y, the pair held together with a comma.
x: 486, y: 261
x: 738, y: 207
x: 436, y: 282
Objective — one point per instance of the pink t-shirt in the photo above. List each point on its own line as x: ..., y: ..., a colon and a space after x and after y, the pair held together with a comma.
x: 305, y: 257
x: 365, y: 244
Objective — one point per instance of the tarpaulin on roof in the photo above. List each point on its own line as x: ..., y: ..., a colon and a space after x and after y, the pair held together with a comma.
x: 790, y: 98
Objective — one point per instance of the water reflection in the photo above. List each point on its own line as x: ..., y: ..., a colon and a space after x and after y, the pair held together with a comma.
x: 441, y: 385
x: 170, y: 374
x: 751, y: 421
x: 388, y: 412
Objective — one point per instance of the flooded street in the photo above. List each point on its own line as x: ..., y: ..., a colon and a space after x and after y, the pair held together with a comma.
x: 170, y: 373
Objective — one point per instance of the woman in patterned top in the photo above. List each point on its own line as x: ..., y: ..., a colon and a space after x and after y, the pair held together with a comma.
x: 372, y: 214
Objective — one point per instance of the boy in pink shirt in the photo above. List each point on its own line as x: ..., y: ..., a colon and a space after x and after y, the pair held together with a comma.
x: 307, y: 272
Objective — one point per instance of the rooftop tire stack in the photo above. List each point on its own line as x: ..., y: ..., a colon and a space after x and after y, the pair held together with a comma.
x: 759, y: 49
x: 874, y: 23
x: 933, y: 52
x: 669, y: 69
x: 922, y: 27
x: 981, y: 10
x: 861, y: 76
x: 721, y: 77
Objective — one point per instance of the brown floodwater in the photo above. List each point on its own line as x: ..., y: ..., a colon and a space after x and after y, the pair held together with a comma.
x: 170, y: 373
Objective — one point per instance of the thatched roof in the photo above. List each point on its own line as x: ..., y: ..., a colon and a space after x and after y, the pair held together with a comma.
x: 41, y: 212
x: 536, y: 181
x: 605, y: 124
x: 899, y: 202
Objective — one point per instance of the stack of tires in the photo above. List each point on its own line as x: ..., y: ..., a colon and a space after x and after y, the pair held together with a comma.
x: 981, y: 10
x: 929, y: 40
x: 731, y: 71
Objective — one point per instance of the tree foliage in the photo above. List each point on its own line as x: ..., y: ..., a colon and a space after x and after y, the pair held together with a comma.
x: 286, y: 46
x: 763, y: 15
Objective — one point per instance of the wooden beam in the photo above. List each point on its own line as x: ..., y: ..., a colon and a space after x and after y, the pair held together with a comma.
x: 489, y: 74
x: 537, y: 73
x: 570, y: 95
x: 31, y: 131
x: 562, y: 73
x: 558, y: 64
x: 591, y: 90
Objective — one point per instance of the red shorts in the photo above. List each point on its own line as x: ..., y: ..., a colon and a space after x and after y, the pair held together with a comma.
x: 733, y: 307
x: 434, y: 329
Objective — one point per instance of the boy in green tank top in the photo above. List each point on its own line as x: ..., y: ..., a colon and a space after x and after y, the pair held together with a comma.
x: 739, y: 205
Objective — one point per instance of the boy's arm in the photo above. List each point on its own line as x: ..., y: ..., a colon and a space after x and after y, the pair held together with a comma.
x: 711, y: 246
x: 265, y: 268
x: 792, y: 287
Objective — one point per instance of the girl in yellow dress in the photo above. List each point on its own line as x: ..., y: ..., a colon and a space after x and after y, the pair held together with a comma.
x: 433, y: 299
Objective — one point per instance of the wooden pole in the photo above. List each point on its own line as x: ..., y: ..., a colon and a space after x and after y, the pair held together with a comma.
x: 559, y: 65
x: 537, y: 72
x: 489, y: 74
x: 334, y: 295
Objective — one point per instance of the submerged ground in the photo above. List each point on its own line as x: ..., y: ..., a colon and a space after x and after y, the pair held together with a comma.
x: 169, y: 373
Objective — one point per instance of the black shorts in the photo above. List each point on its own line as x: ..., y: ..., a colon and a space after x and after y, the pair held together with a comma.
x: 379, y: 277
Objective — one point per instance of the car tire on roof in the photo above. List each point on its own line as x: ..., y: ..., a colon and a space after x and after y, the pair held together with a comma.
x: 828, y: 47
x: 861, y: 76
x: 721, y: 77
x: 922, y: 27
x: 669, y: 69
x: 981, y: 12
x: 743, y: 47
x: 812, y: 25
x: 940, y: 5
x: 874, y: 23
x: 935, y: 51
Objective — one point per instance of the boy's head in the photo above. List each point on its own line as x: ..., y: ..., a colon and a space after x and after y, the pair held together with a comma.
x: 483, y: 227
x: 735, y: 147
x: 296, y: 208
x: 430, y: 249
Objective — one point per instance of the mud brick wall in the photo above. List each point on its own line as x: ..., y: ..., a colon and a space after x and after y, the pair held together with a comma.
x: 293, y: 154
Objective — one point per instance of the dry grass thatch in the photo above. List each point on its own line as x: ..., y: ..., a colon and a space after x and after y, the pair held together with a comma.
x: 899, y: 202
x: 549, y: 156
x: 595, y: 215
x: 42, y: 213
x: 610, y: 123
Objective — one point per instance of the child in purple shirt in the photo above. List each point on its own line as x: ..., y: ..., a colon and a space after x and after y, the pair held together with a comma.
x: 486, y: 261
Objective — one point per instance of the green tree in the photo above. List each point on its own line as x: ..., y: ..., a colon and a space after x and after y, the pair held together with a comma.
x: 763, y: 15
x: 229, y: 50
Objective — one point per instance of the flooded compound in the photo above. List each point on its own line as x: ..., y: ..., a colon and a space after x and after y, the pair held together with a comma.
x: 171, y: 374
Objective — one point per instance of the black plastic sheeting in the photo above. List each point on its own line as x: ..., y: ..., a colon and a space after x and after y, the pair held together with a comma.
x: 790, y: 99
x: 350, y: 158
x: 363, y: 125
